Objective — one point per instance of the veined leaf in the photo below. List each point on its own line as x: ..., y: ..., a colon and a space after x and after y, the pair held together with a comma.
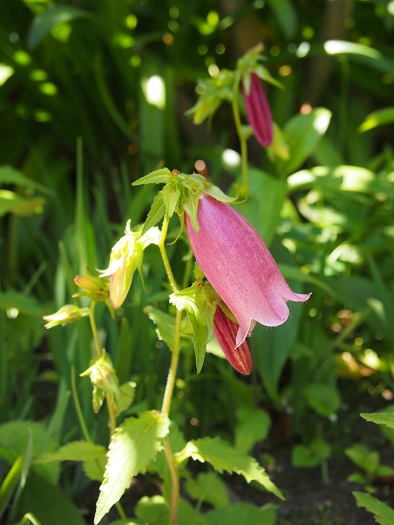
x: 154, y: 511
x: 224, y: 457
x: 133, y: 447
x: 155, y: 214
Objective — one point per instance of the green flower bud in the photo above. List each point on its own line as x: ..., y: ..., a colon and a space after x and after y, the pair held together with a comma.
x: 95, y: 288
x: 66, y: 315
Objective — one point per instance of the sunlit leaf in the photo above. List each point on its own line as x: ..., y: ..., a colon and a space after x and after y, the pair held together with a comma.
x: 383, y: 514
x: 133, y: 447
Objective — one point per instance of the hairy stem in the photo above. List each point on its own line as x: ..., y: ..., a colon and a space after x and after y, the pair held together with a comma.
x: 174, y: 482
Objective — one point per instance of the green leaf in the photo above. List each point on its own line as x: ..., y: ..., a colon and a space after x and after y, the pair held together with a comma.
x: 127, y: 396
x: 223, y: 457
x: 133, y: 447
x: 154, y: 511
x: 380, y: 418
x: 9, y: 175
x: 273, y: 192
x: 383, y: 514
x: 14, y: 440
x: 74, y: 451
x: 155, y: 214
x: 242, y: 514
x: 377, y: 118
x: 45, y: 22
x: 10, y: 483
x: 161, y: 176
x: 324, y: 399
x: 253, y: 426
x: 303, y: 133
x: 312, y: 455
x: 23, y: 303
x: 165, y: 327
x: 196, y: 301
x: 286, y: 16
x: 210, y: 488
x: 364, y: 458
x: 48, y: 503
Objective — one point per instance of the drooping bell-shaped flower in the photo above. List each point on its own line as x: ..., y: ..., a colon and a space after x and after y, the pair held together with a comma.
x: 258, y: 110
x: 126, y: 257
x: 239, y: 266
x: 225, y: 331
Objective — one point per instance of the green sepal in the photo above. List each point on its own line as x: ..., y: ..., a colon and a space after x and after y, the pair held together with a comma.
x: 155, y: 214
x: 161, y: 176
x: 171, y: 194
x: 197, y: 302
x: 219, y: 195
x: 191, y: 206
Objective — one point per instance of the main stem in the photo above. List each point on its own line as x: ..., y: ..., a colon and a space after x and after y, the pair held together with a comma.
x: 169, y: 390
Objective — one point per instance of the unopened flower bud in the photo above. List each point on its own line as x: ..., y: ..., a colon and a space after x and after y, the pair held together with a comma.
x: 104, y: 380
x: 95, y: 288
x: 65, y: 315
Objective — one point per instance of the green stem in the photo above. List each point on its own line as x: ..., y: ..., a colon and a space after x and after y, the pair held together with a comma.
x: 243, y: 146
x: 99, y: 350
x: 94, y: 329
x: 78, y: 408
x: 169, y: 390
x: 163, y: 252
x: 175, y: 483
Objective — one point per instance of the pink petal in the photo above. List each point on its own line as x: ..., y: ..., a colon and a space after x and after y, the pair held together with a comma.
x: 258, y: 111
x: 225, y: 331
x: 239, y: 266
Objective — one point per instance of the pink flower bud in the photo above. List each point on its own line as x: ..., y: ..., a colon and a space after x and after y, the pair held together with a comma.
x: 239, y: 266
x: 258, y: 111
x: 225, y: 331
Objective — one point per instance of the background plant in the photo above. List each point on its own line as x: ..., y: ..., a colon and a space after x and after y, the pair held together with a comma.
x: 79, y: 127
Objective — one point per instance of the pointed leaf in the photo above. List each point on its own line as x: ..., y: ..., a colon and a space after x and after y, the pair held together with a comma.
x: 133, y: 447
x: 161, y: 176
x: 155, y: 214
x: 383, y: 418
x: 384, y: 515
x: 223, y: 457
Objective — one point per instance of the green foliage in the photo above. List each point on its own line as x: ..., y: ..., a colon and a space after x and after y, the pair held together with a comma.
x: 133, y: 447
x: 382, y: 512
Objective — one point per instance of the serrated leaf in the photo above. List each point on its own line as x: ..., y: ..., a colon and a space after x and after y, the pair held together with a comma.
x: 133, y: 447
x: 224, y: 457
x: 383, y: 514
x: 95, y: 468
x: 74, y: 451
x: 161, y: 176
x: 383, y: 418
x: 243, y: 513
x: 155, y: 214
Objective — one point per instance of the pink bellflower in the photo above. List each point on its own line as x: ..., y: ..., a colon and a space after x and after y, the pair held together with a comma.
x: 258, y: 111
x: 240, y: 268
